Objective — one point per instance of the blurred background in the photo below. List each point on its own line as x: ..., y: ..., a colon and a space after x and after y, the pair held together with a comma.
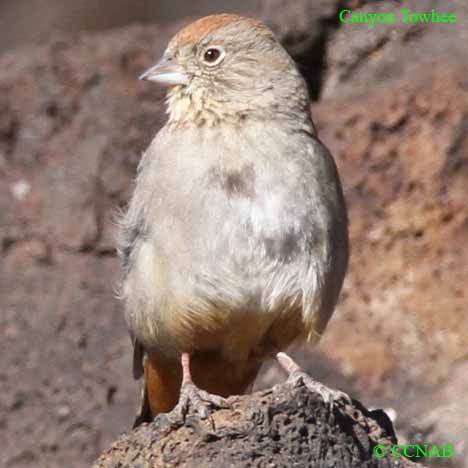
x: 33, y: 21
x: 391, y: 103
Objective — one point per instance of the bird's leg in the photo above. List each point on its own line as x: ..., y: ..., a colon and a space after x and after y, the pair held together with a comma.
x: 296, y: 374
x: 190, y: 394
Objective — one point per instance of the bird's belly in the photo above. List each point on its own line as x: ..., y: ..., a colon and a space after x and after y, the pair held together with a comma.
x: 227, y: 272
x: 239, y: 308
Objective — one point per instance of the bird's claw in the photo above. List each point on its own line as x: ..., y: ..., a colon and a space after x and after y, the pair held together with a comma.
x: 329, y: 395
x: 199, y: 400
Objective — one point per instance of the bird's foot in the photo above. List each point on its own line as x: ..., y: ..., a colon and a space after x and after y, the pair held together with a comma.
x: 199, y: 400
x: 193, y: 397
x: 329, y: 395
x: 297, y: 376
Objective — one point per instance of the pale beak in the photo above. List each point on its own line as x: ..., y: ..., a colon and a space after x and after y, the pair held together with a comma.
x: 166, y: 72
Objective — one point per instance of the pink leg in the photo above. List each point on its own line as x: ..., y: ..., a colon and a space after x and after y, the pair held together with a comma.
x: 190, y: 394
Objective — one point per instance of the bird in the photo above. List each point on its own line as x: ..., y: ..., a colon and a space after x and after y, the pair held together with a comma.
x: 234, y: 244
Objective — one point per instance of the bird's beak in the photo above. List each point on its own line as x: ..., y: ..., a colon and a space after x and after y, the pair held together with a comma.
x: 166, y: 72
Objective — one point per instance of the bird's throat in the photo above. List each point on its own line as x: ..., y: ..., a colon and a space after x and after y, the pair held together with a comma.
x: 199, y: 109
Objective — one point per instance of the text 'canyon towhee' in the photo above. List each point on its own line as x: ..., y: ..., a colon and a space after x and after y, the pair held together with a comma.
x: 235, y: 242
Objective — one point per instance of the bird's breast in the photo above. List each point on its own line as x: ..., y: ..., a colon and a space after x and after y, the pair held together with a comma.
x: 233, y: 246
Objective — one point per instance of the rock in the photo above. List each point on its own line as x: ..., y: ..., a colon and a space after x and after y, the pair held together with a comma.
x: 284, y: 426
x: 403, y: 157
x: 20, y: 24
x: 360, y: 56
x: 303, y: 27
x: 73, y: 122
x: 444, y: 421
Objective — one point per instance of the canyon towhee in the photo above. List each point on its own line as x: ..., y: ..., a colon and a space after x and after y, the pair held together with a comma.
x: 235, y: 241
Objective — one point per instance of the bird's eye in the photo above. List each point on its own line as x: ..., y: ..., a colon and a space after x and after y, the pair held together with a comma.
x: 213, y: 56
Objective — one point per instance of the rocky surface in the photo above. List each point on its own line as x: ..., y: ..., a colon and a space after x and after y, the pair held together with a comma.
x: 73, y: 122
x: 283, y: 427
x: 21, y: 25
x: 359, y: 57
x: 399, y: 332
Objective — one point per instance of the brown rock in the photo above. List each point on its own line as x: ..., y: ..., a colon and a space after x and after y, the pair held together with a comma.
x: 285, y: 426
x: 399, y: 328
x: 359, y: 57
x: 73, y: 122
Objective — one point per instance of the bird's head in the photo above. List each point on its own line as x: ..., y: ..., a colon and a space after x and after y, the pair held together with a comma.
x: 227, y: 67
